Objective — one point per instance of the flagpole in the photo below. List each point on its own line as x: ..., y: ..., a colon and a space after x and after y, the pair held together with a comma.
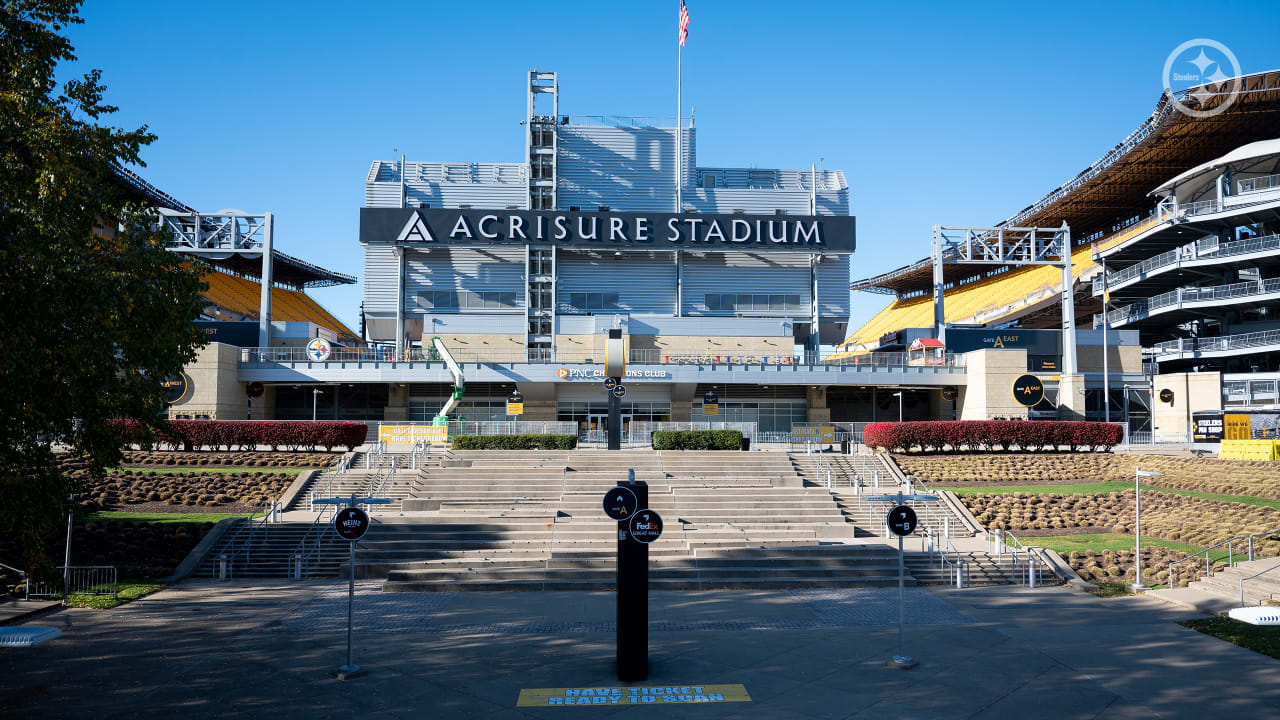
x: 1106, y: 373
x: 679, y: 110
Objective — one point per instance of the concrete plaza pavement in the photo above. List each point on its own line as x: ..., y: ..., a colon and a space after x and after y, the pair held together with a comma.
x: 205, y: 649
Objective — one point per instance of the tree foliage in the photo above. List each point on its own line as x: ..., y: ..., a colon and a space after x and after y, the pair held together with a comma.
x: 94, y: 312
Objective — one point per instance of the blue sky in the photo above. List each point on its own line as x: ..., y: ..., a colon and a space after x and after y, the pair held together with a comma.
x: 937, y: 113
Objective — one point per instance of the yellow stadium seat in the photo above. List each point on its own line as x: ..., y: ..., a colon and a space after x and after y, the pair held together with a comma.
x: 243, y: 296
x: 991, y: 298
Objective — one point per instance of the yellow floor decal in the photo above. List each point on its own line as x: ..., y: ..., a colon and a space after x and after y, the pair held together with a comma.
x: 556, y: 697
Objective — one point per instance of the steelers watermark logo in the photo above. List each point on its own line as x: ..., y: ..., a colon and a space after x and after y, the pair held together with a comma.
x: 1201, y: 78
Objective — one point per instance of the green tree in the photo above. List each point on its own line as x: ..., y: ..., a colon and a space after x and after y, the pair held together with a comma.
x: 94, y: 311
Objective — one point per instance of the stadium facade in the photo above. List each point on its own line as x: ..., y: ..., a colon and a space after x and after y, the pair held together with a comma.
x: 735, y: 282
x: 1180, y: 216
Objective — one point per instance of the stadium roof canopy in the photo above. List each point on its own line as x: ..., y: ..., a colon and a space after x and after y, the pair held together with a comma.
x: 287, y: 270
x: 1112, y: 191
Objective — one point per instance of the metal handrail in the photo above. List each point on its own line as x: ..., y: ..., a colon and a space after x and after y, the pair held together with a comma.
x: 957, y: 568
x: 1222, y: 343
x: 1200, y: 250
x: 1034, y: 563
x: 308, y: 547
x: 1229, y: 542
x: 1244, y: 580
x: 242, y: 541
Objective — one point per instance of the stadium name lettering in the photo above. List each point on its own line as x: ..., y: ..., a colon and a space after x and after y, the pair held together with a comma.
x: 623, y: 230
x: 464, y: 226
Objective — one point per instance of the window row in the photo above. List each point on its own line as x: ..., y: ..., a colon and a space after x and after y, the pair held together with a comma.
x: 591, y: 301
x: 725, y: 302
x: 466, y: 299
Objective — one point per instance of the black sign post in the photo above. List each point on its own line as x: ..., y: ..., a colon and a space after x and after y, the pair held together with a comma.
x: 901, y: 521
x: 633, y: 574
x: 351, y: 523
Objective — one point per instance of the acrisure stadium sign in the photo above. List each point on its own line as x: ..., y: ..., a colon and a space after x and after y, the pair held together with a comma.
x: 607, y: 230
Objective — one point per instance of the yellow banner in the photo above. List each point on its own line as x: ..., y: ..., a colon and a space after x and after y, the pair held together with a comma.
x: 1236, y: 426
x: 813, y: 433
x: 515, y: 408
x: 409, y: 434
x: 688, y: 694
x: 710, y: 409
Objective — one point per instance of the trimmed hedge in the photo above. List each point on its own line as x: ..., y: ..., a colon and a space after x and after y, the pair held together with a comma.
x: 697, y: 440
x: 246, y: 434
x: 971, y: 435
x: 535, y: 441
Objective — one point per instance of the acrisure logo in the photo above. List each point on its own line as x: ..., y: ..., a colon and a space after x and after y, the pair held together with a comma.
x: 1208, y: 70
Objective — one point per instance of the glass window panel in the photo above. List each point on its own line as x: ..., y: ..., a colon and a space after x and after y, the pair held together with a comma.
x: 777, y: 302
x: 611, y: 301
x: 742, y: 303
x: 760, y: 302
x: 712, y: 301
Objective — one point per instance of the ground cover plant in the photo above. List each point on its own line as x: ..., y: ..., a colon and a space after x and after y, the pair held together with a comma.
x: 1172, y: 517
x: 144, y: 490
x: 142, y: 551
x: 244, y: 458
x: 1253, y: 478
x: 1259, y: 638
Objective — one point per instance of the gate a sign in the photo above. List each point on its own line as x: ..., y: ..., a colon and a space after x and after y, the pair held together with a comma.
x: 1028, y: 390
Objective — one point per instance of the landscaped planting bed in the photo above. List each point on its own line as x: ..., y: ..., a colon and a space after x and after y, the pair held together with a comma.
x: 1170, y: 517
x: 1228, y: 477
x: 153, y: 491
x: 161, y: 458
x: 137, y: 550
x: 1117, y: 566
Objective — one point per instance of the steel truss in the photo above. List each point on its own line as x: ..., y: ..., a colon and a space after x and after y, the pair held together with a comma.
x: 220, y: 235
x: 1016, y: 246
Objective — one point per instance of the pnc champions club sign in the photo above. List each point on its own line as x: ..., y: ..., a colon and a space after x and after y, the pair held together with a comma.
x: 607, y: 230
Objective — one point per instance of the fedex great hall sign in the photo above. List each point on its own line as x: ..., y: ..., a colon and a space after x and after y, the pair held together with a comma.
x: 607, y: 230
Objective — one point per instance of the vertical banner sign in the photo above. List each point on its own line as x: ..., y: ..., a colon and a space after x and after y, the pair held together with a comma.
x: 515, y: 404
x: 710, y: 404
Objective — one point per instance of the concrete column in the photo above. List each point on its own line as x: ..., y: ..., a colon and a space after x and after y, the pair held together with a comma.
x: 816, y: 404
x: 682, y: 402
x: 1071, y: 397
x: 397, y: 402
x: 989, y: 392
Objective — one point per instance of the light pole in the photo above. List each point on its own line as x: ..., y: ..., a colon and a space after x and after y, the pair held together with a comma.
x: 899, y: 394
x: 1137, y: 530
x: 315, y: 396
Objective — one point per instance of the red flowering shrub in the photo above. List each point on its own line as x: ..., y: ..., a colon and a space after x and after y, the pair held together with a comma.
x: 248, y: 434
x: 971, y: 435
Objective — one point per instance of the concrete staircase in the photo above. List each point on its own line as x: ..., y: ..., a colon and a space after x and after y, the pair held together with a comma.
x: 532, y: 520
x: 1264, y: 590
x: 268, y: 551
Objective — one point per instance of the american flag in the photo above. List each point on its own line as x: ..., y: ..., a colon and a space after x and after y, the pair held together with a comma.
x: 684, y: 23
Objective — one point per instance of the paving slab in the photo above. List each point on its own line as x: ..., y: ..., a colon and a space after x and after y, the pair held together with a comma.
x: 207, y: 649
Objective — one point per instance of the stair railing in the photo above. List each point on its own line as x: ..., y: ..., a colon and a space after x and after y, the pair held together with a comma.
x: 379, y: 448
x: 386, y: 469
x: 1245, y: 580
x: 308, y: 548
x: 242, y: 541
x: 1024, y: 561
x: 26, y: 584
x: 955, y: 569
x: 1231, y: 559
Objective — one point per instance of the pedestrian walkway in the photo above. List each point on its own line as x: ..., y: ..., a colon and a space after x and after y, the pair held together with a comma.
x: 204, y: 649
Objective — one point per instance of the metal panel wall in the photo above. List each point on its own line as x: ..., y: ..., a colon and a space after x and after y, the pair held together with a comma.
x: 740, y: 272
x: 474, y: 269
x: 439, y: 184
x: 628, y: 169
x: 381, y: 267
x: 645, y: 281
x: 833, y: 287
